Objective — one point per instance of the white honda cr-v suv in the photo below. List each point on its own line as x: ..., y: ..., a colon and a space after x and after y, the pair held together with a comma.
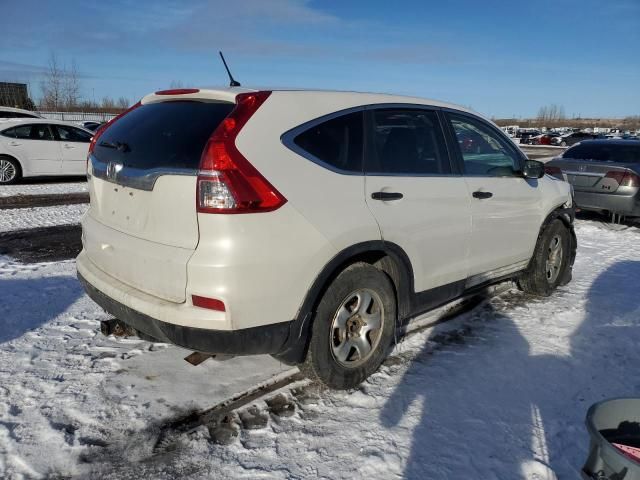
x: 310, y: 225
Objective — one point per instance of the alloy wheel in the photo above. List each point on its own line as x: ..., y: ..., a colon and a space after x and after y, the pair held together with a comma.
x: 554, y: 259
x: 8, y: 171
x: 356, y: 328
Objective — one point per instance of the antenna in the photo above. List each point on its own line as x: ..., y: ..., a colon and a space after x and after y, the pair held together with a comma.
x: 232, y: 81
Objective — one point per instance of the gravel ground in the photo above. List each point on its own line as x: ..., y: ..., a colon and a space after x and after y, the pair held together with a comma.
x: 43, y: 186
x: 23, y: 218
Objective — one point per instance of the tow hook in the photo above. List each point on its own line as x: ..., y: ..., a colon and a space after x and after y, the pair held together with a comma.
x: 115, y: 327
x: 196, y: 358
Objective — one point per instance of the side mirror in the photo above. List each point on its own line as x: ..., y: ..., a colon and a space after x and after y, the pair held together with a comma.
x: 533, y: 169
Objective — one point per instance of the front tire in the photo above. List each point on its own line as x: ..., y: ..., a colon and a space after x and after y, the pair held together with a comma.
x: 10, y: 171
x: 550, y: 260
x: 353, y: 328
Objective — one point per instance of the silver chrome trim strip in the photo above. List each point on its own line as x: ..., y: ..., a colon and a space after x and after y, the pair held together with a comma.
x: 585, y: 174
x: 287, y: 139
x: 497, y: 273
x: 141, y: 179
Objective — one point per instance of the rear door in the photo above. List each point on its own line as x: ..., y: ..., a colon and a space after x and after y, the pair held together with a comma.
x: 34, y: 145
x: 418, y: 201
x: 74, y: 145
x: 505, y: 207
x: 142, y: 226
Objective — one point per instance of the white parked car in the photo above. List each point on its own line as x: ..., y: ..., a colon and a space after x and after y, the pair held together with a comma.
x: 10, y: 112
x: 34, y: 147
x: 310, y: 225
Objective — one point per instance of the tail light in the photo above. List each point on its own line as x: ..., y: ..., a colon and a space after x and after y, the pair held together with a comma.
x: 552, y: 170
x: 101, y: 130
x: 227, y: 182
x: 624, y: 179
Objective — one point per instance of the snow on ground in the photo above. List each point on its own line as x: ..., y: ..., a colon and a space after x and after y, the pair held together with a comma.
x: 41, y: 188
x: 20, y: 218
x: 505, y: 399
x: 64, y: 388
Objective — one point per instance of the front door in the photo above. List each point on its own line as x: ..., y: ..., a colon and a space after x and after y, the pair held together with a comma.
x: 34, y: 146
x: 506, y: 208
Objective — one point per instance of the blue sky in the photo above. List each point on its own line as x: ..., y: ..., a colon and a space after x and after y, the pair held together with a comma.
x: 500, y: 58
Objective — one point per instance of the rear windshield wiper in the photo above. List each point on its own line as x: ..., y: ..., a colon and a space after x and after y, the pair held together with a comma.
x: 120, y: 146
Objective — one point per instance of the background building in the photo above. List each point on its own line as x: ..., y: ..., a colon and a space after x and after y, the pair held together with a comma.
x: 15, y: 95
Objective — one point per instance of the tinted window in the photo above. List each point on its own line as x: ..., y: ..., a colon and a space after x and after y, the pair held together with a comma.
x: 484, y: 151
x: 336, y: 142
x: 601, y: 152
x: 16, y: 115
x: 584, y: 151
x: 71, y: 134
x: 167, y: 134
x: 9, y: 132
x: 30, y: 132
x: 407, y: 141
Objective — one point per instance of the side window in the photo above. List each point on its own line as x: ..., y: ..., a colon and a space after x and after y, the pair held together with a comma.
x: 483, y: 151
x: 336, y: 142
x: 407, y: 141
x: 23, y: 131
x: 40, y: 131
x: 71, y: 134
x: 9, y: 132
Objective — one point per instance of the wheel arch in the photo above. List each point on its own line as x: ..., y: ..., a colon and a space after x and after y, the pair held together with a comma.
x: 386, y: 256
x: 567, y: 217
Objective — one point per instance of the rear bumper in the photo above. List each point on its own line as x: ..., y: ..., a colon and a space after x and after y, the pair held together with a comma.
x: 623, y: 204
x: 248, y: 341
x: 156, y: 318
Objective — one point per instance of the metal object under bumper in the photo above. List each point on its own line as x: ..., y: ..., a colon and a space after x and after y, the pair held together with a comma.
x: 623, y: 204
x: 267, y: 339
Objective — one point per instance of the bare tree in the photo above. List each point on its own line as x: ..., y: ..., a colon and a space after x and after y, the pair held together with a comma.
x: 176, y: 84
x: 108, y: 103
x: 71, y: 86
x: 551, y: 113
x: 60, y: 86
x: 52, y: 85
x: 123, y: 103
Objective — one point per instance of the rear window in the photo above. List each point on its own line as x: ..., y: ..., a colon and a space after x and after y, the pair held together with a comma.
x: 613, y: 152
x: 336, y: 142
x: 168, y: 134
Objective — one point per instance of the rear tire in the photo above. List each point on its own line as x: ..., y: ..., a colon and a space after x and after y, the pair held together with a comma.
x: 353, y: 328
x: 10, y: 171
x: 550, y: 260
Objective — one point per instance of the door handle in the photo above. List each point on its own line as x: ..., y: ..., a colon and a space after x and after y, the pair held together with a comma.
x: 15, y: 144
x: 482, y: 195
x: 386, y: 196
x: 66, y: 145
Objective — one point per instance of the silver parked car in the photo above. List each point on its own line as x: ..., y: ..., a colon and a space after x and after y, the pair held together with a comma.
x: 605, y: 175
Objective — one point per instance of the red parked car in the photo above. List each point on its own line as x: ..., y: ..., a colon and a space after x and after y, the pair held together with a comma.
x: 543, y: 139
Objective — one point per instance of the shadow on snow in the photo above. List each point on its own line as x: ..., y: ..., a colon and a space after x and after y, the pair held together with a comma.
x: 498, y: 411
x: 29, y: 303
